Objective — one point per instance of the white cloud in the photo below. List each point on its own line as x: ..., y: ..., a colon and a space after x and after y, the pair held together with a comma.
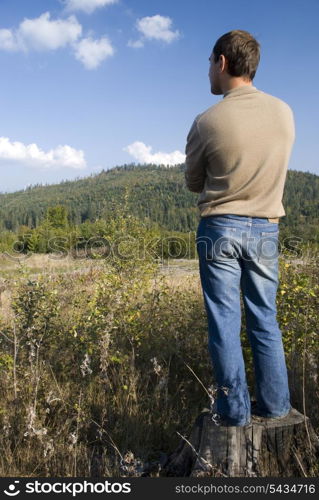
x: 135, y: 44
x: 31, y: 155
x: 92, y: 52
x: 7, y: 40
x: 87, y: 6
x: 143, y: 154
x: 41, y: 33
x: 157, y: 28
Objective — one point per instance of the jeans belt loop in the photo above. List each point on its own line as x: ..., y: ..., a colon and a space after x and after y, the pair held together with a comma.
x: 276, y: 219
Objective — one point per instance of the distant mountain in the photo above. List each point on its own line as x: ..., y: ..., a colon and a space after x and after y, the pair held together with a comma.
x: 155, y: 193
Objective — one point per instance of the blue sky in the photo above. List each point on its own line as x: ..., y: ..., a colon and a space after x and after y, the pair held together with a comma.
x: 90, y: 84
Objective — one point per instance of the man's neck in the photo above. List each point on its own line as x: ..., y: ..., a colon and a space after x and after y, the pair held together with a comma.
x: 233, y: 83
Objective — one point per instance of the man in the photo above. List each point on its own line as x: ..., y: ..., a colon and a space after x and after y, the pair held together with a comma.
x: 237, y: 157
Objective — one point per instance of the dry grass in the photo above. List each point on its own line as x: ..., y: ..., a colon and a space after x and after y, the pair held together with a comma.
x: 99, y: 369
x: 43, y: 263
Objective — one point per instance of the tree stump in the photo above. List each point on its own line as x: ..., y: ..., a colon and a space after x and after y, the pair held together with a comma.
x: 287, y: 447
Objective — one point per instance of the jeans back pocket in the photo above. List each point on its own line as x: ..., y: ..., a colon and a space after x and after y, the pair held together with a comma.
x: 267, y: 246
x: 216, y: 242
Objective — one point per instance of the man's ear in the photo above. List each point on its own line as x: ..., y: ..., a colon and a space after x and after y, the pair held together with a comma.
x: 222, y: 63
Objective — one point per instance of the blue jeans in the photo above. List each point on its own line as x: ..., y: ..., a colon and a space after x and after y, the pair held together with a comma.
x: 236, y: 253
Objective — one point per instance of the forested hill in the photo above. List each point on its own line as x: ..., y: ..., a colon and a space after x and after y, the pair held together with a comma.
x: 157, y: 193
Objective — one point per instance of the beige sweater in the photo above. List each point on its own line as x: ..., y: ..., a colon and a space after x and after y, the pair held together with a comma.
x: 237, y: 154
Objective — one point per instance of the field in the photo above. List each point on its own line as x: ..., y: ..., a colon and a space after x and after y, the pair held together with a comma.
x: 103, y: 363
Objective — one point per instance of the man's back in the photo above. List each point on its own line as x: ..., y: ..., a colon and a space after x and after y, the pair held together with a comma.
x: 238, y: 152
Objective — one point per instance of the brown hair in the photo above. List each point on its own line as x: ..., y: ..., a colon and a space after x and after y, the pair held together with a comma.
x: 242, y: 52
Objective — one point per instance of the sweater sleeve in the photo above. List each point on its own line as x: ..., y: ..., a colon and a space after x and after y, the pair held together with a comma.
x: 195, y: 172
